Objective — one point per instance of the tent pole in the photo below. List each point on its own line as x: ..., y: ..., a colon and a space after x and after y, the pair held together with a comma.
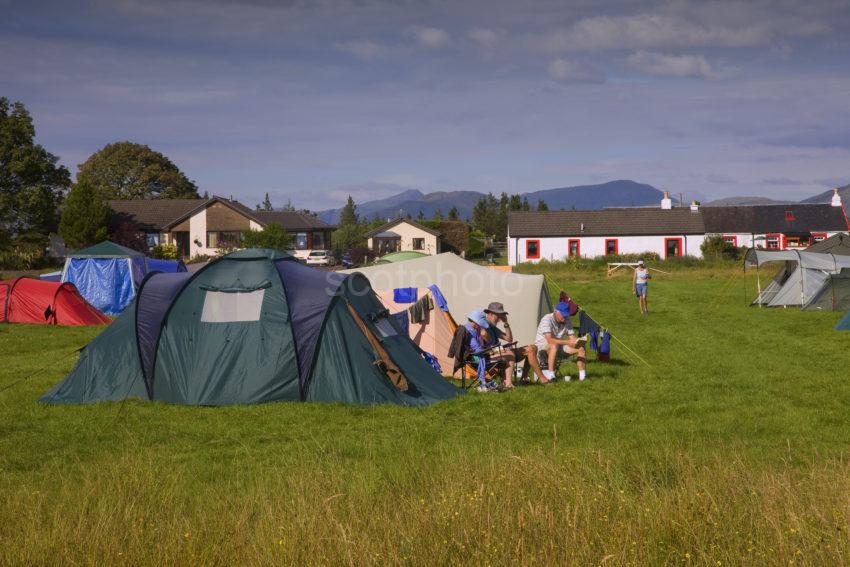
x: 758, y: 284
x: 802, y: 280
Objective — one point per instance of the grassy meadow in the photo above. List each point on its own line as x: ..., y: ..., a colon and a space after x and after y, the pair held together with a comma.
x: 732, y: 447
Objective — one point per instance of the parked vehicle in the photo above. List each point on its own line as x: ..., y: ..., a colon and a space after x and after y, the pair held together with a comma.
x: 321, y: 258
x: 347, y: 262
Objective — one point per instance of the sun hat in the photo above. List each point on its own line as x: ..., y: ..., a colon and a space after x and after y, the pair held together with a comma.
x: 640, y: 262
x: 563, y: 308
x: 496, y: 308
x: 478, y: 318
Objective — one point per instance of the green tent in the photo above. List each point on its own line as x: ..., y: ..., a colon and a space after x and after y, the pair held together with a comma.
x: 253, y: 326
x: 394, y: 257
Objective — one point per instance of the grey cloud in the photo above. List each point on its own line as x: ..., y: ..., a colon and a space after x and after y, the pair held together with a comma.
x: 667, y: 65
x: 784, y: 181
x: 431, y: 37
x: 484, y: 37
x: 362, y: 49
x: 569, y: 71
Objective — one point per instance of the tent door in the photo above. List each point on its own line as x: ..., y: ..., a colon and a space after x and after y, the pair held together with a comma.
x: 386, y: 363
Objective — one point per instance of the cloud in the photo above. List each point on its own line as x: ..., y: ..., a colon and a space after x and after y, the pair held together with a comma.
x: 431, y: 37
x: 651, y: 30
x: 484, y: 37
x: 834, y: 181
x: 783, y: 181
x: 362, y: 49
x: 665, y: 65
x: 569, y: 71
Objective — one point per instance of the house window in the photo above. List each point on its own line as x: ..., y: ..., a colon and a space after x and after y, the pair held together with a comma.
x: 152, y: 239
x: 789, y: 216
x: 818, y: 237
x: 301, y: 241
x: 672, y: 247
x: 319, y: 241
x: 573, y: 248
x: 532, y: 249
x: 418, y: 243
x: 730, y: 239
x: 611, y: 246
x: 228, y: 240
x: 772, y: 242
x: 212, y: 240
x: 229, y: 307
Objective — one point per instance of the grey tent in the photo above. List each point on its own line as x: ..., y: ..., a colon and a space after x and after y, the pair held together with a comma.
x: 836, y: 244
x: 808, y: 280
x: 467, y: 286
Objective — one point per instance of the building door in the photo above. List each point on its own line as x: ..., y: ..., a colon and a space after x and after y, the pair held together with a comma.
x: 672, y: 247
x: 181, y: 239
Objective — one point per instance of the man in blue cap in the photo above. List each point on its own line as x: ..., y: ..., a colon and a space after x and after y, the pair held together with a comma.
x: 555, y: 334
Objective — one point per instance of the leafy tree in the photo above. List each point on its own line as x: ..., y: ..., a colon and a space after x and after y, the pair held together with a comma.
x: 84, y: 217
x: 487, y: 214
x: 206, y: 195
x: 420, y: 216
x: 347, y: 237
x: 288, y: 207
x: 125, y: 170
x: 516, y: 203
x: 266, y: 205
x: 128, y: 233
x: 348, y: 215
x: 31, y: 183
x: 272, y: 236
x: 716, y: 248
x: 438, y: 215
x: 542, y: 206
x: 454, y: 214
x: 525, y: 205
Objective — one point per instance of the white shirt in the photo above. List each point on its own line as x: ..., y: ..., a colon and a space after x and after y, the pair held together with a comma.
x: 548, y: 325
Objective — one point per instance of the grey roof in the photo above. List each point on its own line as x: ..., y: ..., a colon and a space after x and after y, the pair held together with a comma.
x: 607, y: 222
x: 292, y: 220
x: 395, y: 222
x: 763, y: 219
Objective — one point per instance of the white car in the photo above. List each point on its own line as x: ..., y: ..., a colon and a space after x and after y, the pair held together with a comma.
x: 320, y: 258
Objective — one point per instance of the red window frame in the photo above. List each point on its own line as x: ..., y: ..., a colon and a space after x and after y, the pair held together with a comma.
x: 616, y: 246
x: 681, y: 245
x: 528, y: 255
x: 779, y: 241
x: 731, y: 239
x: 789, y: 216
x: 821, y: 235
x: 570, y: 243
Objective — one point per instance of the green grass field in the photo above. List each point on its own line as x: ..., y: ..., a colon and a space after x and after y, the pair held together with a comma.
x: 731, y: 449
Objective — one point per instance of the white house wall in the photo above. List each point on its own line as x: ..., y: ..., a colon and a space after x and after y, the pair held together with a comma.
x: 556, y: 248
x: 198, y: 233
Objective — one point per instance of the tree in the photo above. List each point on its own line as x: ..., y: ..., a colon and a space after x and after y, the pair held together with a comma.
x: 128, y: 233
x: 206, y: 195
x: 438, y: 215
x: 542, y: 206
x: 84, y: 217
x: 347, y: 237
x: 288, y: 207
x: 516, y: 203
x: 716, y: 248
x: 267, y: 204
x: 525, y: 205
x: 31, y: 183
x: 420, y: 216
x: 454, y: 214
x: 124, y: 170
x: 273, y: 236
x: 348, y: 215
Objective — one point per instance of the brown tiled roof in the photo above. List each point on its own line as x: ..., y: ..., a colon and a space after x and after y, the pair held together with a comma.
x: 292, y: 220
x: 607, y: 222
x: 153, y: 214
x: 763, y: 219
x: 395, y: 222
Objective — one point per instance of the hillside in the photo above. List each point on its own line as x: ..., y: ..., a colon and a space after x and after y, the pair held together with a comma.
x: 745, y: 201
x: 620, y: 193
x: 826, y: 196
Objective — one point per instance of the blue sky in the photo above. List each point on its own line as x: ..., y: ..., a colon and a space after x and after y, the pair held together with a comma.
x: 310, y: 101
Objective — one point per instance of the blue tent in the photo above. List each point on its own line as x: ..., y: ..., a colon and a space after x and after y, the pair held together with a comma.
x: 844, y: 324
x: 167, y: 266
x: 106, y: 275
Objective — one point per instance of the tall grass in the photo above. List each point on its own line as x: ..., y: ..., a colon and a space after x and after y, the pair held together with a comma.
x: 730, y: 446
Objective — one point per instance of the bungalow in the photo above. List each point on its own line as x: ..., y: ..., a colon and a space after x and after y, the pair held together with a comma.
x: 203, y: 226
x: 403, y: 235
x: 777, y: 227
x: 668, y: 231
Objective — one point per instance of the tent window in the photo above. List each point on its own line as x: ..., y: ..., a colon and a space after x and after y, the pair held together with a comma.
x: 223, y: 307
x: 385, y: 328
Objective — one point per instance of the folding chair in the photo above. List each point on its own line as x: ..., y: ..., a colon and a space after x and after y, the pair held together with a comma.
x: 495, y: 371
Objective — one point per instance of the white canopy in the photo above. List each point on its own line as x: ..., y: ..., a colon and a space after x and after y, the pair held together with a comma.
x: 802, y: 278
x: 467, y: 287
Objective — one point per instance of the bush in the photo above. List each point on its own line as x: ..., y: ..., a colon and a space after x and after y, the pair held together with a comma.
x: 273, y: 237
x: 715, y: 248
x: 165, y: 252
x: 198, y: 259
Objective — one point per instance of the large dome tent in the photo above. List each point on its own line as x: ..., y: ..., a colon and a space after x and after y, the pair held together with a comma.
x: 253, y: 326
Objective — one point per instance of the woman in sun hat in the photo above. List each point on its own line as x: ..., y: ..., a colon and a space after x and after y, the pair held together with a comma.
x: 640, y: 282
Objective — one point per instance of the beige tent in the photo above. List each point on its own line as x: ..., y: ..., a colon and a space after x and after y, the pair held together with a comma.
x: 433, y: 334
x: 467, y: 286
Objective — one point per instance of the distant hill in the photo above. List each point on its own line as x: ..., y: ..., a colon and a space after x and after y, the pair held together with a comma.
x: 621, y: 193
x: 826, y: 196
x: 742, y: 201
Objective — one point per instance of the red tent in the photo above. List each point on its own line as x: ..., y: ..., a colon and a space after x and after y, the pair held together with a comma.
x: 28, y: 300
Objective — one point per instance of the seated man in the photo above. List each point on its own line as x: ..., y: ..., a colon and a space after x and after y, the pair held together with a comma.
x: 495, y: 312
x: 550, y: 339
x: 481, y: 338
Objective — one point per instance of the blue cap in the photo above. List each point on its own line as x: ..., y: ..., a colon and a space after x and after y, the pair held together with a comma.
x: 478, y: 318
x: 563, y: 309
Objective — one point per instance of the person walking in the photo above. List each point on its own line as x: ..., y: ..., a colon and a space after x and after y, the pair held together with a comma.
x: 640, y: 282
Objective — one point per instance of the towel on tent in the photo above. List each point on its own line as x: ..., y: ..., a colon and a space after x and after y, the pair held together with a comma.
x: 604, y: 353
x: 439, y: 298
x: 405, y: 294
x: 419, y: 310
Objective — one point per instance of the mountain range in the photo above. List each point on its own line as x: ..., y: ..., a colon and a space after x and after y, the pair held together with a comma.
x: 620, y: 193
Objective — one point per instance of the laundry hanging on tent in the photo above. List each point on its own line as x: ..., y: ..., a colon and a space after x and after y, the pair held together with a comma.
x: 402, y: 321
x: 571, y: 305
x: 419, y: 310
x: 586, y: 324
x: 405, y: 294
x: 604, y: 352
x: 439, y: 299
x: 432, y: 360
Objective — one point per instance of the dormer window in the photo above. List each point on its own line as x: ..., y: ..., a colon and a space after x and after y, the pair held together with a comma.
x: 789, y: 216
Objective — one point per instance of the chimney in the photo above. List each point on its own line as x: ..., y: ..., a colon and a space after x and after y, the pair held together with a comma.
x: 666, y: 202
x: 694, y: 206
x: 836, y: 198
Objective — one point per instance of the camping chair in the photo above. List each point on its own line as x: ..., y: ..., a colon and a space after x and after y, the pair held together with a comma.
x: 468, y: 365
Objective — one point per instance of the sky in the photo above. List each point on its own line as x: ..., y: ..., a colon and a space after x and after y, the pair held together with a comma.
x: 311, y: 101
